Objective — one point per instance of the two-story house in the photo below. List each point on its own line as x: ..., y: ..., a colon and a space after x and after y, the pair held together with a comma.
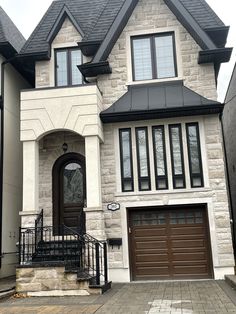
x: 14, y: 78
x: 122, y: 143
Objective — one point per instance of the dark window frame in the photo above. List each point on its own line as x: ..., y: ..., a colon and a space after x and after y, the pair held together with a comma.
x: 199, y: 175
x: 153, y: 54
x: 147, y: 178
x: 157, y: 177
x: 179, y: 176
x: 69, y: 65
x: 123, y: 179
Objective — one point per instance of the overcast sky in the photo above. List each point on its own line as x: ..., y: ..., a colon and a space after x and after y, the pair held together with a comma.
x: 27, y: 13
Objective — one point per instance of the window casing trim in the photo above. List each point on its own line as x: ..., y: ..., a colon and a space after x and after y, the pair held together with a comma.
x: 154, y: 63
x: 147, y: 178
x: 68, y: 51
x: 165, y: 177
x: 200, y: 175
x: 178, y: 176
x: 123, y: 179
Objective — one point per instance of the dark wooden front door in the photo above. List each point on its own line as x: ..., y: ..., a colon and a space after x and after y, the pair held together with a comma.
x: 69, y: 192
x: 169, y: 243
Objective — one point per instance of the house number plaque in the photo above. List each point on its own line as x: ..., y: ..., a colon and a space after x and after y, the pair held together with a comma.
x: 113, y: 206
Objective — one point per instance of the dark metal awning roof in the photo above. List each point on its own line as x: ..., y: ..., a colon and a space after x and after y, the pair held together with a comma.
x: 154, y: 101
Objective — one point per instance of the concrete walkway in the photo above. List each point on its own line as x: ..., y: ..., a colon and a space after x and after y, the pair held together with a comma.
x: 136, y: 298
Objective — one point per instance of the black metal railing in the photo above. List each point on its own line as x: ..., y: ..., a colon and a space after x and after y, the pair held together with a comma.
x: 78, y: 252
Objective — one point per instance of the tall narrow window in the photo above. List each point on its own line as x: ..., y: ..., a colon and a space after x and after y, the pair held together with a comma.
x: 194, y: 155
x: 126, y: 160
x: 177, y: 158
x: 160, y: 157
x: 67, y: 72
x: 143, y: 159
x: 153, y: 56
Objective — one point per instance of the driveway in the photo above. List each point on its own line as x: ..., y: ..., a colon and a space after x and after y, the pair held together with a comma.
x: 180, y: 297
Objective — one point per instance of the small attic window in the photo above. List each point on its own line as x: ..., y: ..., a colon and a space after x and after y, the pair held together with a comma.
x: 153, y: 56
x: 66, y: 70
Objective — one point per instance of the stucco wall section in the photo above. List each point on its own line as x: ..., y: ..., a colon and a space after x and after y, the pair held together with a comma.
x: 214, y: 194
x: 147, y: 16
x: 67, y: 36
x: 50, y: 150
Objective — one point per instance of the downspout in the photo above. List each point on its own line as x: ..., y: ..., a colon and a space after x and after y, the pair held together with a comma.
x: 231, y: 212
x: 2, y: 144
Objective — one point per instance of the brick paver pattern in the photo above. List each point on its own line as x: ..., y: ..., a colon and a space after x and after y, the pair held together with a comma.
x: 182, y: 297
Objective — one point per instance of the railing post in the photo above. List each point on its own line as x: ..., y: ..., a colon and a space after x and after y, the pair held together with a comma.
x: 97, y: 263
x: 41, y: 225
x: 35, y: 235
x: 105, y: 262
x: 19, y: 245
x: 63, y: 247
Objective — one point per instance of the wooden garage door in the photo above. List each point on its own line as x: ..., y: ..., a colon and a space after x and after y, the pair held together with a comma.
x: 169, y: 243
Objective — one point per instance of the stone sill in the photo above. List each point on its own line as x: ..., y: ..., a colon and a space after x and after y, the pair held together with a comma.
x: 162, y: 192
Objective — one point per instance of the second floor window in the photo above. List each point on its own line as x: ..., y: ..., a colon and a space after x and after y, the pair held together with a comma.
x: 67, y: 72
x: 153, y: 57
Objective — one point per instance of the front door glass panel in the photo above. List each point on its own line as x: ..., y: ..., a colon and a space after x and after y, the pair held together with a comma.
x: 73, y: 184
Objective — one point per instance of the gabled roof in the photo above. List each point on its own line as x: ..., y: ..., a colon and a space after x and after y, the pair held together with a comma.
x: 102, y: 21
x: 159, y: 100
x: 9, y: 34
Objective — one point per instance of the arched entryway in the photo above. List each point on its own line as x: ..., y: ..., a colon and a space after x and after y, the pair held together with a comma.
x: 69, y: 192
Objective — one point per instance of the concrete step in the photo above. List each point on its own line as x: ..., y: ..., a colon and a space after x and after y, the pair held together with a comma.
x: 231, y: 280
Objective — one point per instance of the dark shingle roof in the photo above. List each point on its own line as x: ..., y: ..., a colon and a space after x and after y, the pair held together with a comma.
x: 202, y: 13
x: 9, y: 33
x: 95, y: 18
x: 152, y: 101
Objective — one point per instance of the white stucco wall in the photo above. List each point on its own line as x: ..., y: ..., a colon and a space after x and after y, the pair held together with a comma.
x: 12, y: 175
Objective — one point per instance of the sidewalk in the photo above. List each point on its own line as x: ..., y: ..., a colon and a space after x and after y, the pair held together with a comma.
x: 177, y: 297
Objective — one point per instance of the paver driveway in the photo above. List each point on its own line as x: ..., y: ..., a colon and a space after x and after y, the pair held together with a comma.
x: 136, y: 298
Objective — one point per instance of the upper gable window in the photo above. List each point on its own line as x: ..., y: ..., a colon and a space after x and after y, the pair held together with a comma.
x: 154, y: 57
x: 67, y: 72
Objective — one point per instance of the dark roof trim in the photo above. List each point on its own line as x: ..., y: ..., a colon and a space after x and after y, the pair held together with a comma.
x: 115, y: 31
x: 35, y: 56
x: 94, y: 69
x: 190, y: 24
x: 89, y: 48
x: 7, y: 50
x: 159, y: 114
x: 65, y: 12
x: 216, y: 56
x: 218, y: 35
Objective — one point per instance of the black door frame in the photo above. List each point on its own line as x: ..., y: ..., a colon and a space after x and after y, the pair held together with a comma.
x: 56, y: 189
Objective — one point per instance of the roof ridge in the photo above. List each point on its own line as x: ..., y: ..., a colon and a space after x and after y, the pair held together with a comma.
x: 98, y: 18
x: 26, y: 45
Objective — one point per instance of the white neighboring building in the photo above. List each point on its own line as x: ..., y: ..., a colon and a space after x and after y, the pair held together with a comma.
x: 11, y: 41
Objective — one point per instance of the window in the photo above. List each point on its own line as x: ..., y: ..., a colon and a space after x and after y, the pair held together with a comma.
x: 67, y: 72
x: 194, y: 155
x: 143, y: 159
x: 159, y: 150
x: 167, y: 166
x: 153, y: 57
x: 177, y: 160
x: 126, y: 160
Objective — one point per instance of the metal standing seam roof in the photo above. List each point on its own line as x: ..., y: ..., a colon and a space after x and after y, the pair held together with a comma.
x: 158, y: 100
x: 96, y: 17
x: 9, y: 33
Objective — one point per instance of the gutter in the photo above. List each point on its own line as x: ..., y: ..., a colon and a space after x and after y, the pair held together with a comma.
x: 231, y: 212
x: 3, y: 64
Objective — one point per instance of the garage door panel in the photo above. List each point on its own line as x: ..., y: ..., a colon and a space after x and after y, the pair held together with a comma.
x: 145, y: 232
x: 175, y: 247
x: 192, y: 243
x: 193, y: 256
x: 187, y: 230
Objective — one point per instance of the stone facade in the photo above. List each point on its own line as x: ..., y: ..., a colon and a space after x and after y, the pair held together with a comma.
x: 51, y: 281
x: 149, y: 16
x: 50, y: 149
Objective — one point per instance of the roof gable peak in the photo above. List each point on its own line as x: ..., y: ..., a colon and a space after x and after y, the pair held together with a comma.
x: 64, y: 13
